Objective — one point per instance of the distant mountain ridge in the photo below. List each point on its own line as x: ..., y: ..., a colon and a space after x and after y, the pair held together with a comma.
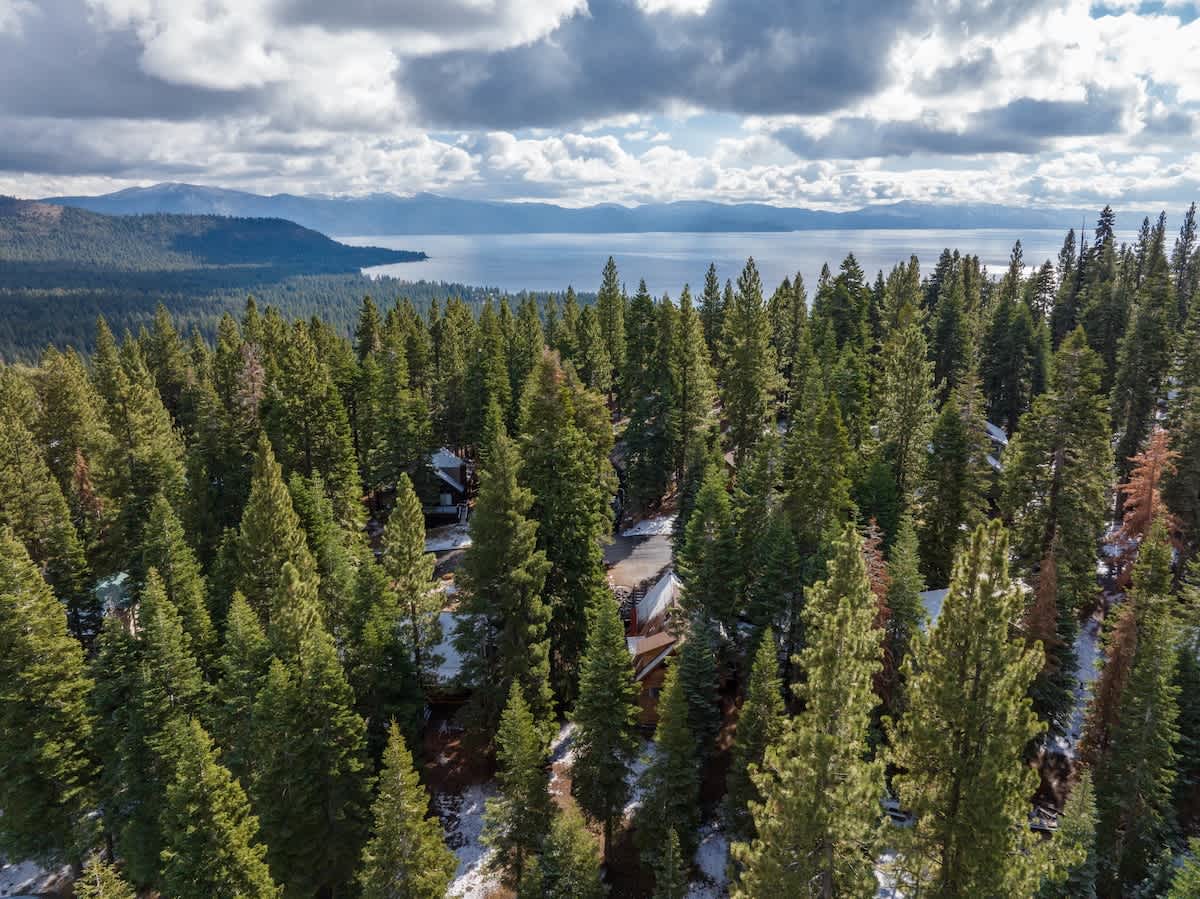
x: 425, y: 213
x: 38, y: 235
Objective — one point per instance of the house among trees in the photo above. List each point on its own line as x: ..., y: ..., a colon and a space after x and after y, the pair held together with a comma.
x: 651, y: 644
x: 452, y: 480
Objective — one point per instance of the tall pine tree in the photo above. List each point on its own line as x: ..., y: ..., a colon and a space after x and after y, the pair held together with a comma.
x: 817, y: 825
x: 959, y: 745
x: 406, y: 855
x: 605, y: 716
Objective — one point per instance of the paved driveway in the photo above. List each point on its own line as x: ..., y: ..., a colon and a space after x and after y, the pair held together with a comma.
x: 632, y: 560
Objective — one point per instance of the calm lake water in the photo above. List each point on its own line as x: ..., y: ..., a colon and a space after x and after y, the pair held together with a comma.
x: 543, y: 262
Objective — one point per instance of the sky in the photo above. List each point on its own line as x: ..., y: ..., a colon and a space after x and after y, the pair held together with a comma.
x: 815, y: 103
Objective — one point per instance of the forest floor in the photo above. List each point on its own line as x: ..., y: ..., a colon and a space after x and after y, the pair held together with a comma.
x: 27, y: 879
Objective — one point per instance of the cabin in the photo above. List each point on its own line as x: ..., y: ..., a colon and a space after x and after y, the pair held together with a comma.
x: 651, y: 644
x: 452, y: 480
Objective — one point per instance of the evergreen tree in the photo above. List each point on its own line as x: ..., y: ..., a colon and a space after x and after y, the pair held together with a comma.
x: 1186, y: 882
x: 950, y: 345
x: 310, y: 787
x: 487, y: 374
x: 209, y: 833
x: 406, y: 857
x: 1010, y: 370
x: 1135, y: 780
x: 242, y: 666
x: 308, y: 424
x: 1182, y: 489
x: 748, y: 375
x: 605, y: 716
x: 150, y: 449
x: 333, y: 549
x: 959, y: 744
x: 650, y: 380
x: 1075, y: 842
x: 760, y: 724
x: 712, y: 311
x: 610, y: 314
x: 699, y: 680
x: 708, y: 560
x: 517, y: 821
x: 502, y: 628
x: 817, y: 825
x: 671, y: 783
x: 1109, y: 283
x: 45, y: 722
x: 694, y: 388
x: 270, y: 534
x: 568, y: 471
x: 167, y: 689
x: 907, y: 616
x: 32, y: 505
x: 1056, y: 475
x: 1185, y: 264
x: 165, y: 549
x: 410, y: 570
x: 569, y: 866
x: 72, y: 421
x: 592, y: 360
x: 905, y: 400
x: 1145, y: 355
x: 772, y: 595
x: 166, y: 358
x: 670, y: 876
x: 954, y: 494
x: 101, y: 880
x: 379, y: 659
x: 818, y: 458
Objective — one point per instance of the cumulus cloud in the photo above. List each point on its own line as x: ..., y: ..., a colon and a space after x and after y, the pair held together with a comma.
x: 786, y: 101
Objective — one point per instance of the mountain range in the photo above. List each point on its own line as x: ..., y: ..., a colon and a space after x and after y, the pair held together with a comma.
x: 426, y: 213
x: 40, y: 235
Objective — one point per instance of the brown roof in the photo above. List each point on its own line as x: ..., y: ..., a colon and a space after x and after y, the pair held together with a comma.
x: 654, y: 642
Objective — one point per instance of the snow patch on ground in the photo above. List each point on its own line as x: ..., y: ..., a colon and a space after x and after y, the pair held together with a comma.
x: 462, y: 818
x: 887, y: 876
x: 454, y: 536
x: 711, y: 860
x: 562, y: 756
x: 21, y: 879
x: 651, y: 527
x: 634, y: 778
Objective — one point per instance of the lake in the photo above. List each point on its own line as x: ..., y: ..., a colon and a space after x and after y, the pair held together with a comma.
x: 544, y: 262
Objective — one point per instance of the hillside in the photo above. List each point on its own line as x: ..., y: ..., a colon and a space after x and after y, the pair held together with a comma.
x: 40, y: 234
x: 60, y: 267
x: 425, y: 213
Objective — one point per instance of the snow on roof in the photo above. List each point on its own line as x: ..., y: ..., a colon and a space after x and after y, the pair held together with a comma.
x: 932, y: 601
x: 994, y: 462
x: 659, y: 598
x: 996, y: 433
x: 444, y: 458
x: 453, y: 482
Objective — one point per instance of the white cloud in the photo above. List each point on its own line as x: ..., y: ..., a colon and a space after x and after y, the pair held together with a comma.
x: 675, y: 7
x: 306, y: 96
